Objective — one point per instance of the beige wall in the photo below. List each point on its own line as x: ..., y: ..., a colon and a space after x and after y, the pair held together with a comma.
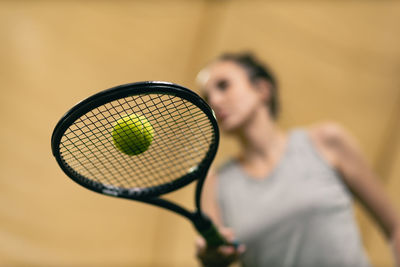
x: 336, y: 60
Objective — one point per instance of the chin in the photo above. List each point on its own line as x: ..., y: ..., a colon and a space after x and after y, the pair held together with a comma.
x: 228, y: 127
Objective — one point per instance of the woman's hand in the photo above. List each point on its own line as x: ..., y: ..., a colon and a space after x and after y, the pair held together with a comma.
x: 221, y: 256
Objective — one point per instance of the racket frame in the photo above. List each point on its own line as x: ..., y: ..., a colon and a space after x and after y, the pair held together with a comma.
x: 201, y: 222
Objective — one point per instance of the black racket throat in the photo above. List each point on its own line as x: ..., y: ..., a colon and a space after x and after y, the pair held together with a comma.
x: 199, y: 219
x: 201, y: 222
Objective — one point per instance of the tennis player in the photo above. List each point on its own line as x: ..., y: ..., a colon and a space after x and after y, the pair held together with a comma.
x: 287, y: 198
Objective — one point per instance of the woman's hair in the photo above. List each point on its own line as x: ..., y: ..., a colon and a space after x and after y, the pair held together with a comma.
x: 256, y: 70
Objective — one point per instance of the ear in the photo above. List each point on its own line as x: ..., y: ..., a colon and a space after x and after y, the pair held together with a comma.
x: 264, y: 88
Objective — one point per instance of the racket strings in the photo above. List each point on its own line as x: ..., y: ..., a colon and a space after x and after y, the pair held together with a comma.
x: 182, y: 137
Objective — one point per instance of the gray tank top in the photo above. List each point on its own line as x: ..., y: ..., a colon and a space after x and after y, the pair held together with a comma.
x: 301, y: 214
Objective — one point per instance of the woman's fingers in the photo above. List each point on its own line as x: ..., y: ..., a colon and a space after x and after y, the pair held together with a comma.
x: 222, y: 255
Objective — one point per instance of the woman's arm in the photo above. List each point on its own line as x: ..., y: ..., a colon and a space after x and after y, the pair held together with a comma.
x: 342, y: 151
x: 209, y: 198
x: 224, y: 255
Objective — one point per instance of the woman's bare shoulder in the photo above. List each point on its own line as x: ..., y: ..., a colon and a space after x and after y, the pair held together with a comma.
x: 326, y: 130
x: 326, y: 136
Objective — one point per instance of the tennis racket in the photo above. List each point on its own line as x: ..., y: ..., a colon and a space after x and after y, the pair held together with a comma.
x: 185, y: 141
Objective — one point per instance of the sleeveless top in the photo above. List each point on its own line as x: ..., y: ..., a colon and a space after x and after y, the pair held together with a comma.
x: 301, y: 214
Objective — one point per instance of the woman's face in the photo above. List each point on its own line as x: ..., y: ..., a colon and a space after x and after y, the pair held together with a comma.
x: 230, y: 93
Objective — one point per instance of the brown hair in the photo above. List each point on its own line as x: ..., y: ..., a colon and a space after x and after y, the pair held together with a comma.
x: 256, y: 70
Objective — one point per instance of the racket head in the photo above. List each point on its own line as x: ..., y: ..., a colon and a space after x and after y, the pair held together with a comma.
x: 83, y: 147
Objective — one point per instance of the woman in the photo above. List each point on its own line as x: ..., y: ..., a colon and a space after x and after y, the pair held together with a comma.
x: 286, y: 197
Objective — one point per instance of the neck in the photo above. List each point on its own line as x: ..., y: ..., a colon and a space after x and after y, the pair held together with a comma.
x: 261, y: 138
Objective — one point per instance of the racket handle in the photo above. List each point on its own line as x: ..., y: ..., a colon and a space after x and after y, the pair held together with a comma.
x: 208, y: 230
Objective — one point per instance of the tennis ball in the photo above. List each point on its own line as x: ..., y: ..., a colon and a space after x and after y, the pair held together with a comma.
x: 132, y: 134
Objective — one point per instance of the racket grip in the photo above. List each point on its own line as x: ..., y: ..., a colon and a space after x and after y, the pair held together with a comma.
x: 208, y: 230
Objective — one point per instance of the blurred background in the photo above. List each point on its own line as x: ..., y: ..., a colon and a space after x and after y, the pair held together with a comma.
x: 336, y: 60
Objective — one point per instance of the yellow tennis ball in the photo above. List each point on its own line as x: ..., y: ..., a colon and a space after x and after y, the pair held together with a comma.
x: 132, y: 134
